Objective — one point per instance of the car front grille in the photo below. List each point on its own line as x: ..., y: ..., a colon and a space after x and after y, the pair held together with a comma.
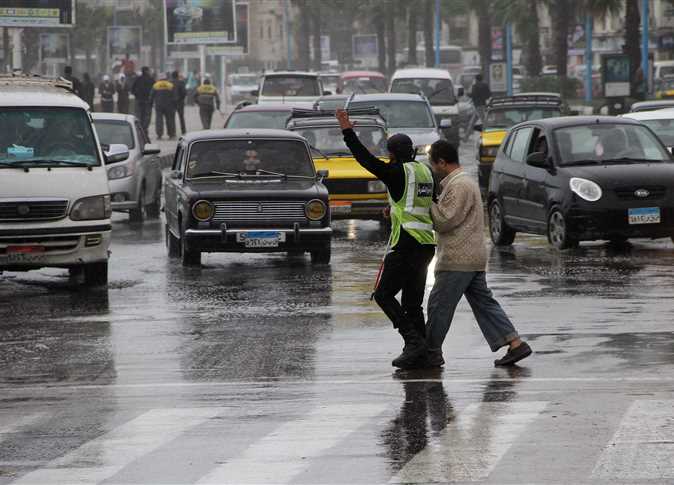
x: 346, y: 186
x: 33, y: 210
x: 49, y: 243
x: 655, y: 192
x: 273, y: 212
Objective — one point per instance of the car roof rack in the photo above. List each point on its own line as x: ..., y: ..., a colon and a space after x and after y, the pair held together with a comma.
x: 517, y: 100
x: 363, y: 112
x: 27, y: 80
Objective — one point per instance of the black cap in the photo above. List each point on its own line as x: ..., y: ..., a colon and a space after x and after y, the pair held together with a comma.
x: 401, y: 146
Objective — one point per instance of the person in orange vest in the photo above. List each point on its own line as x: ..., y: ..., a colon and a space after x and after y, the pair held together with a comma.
x: 164, y: 96
x: 208, y: 100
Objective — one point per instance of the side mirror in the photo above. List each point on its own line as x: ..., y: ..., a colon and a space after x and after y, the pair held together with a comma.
x: 176, y: 175
x: 327, y: 93
x: 460, y: 92
x: 538, y: 159
x: 445, y: 123
x: 117, y: 152
x: 151, y: 149
x: 322, y: 174
x: 477, y: 127
x: 255, y: 93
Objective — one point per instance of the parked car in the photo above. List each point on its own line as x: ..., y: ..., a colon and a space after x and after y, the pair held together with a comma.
x: 579, y: 179
x: 135, y: 183
x: 289, y: 87
x: 240, y: 87
x: 501, y: 114
x: 405, y: 113
x: 361, y: 82
x: 660, y: 121
x: 664, y: 88
x: 245, y: 191
x: 651, y: 105
x: 437, y: 86
x: 54, y: 196
x: 354, y: 192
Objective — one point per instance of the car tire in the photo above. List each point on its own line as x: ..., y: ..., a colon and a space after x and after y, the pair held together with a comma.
x: 501, y: 234
x: 172, y: 244
x: 96, y: 274
x: 558, y: 235
x: 188, y: 257
x: 138, y: 214
x: 154, y: 208
x: 321, y: 256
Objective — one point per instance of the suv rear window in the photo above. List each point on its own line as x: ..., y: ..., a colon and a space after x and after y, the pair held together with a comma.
x: 291, y: 86
x: 110, y: 131
x: 438, y: 91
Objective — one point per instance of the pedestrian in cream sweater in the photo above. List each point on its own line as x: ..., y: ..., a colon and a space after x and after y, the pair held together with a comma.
x: 460, y: 269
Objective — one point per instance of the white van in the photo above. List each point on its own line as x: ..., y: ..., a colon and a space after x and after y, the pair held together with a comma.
x: 54, y: 196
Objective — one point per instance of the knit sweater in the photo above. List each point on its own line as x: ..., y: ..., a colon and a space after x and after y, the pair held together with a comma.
x: 458, y: 220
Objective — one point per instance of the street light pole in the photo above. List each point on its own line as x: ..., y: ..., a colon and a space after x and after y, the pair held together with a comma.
x: 645, y: 35
x: 589, y: 24
x: 286, y: 29
x: 509, y: 58
x: 437, y: 33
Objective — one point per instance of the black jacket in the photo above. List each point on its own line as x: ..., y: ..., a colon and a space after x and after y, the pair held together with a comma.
x: 142, y: 88
x: 480, y: 93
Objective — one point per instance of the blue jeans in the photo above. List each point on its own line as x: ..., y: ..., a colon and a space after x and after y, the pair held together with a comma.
x: 447, y: 291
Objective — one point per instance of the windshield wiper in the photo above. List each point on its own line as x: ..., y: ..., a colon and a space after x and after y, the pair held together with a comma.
x: 216, y: 174
x: 581, y: 162
x: 319, y: 152
x: 268, y: 172
x: 438, y: 91
x: 18, y: 164
x: 629, y: 160
x: 342, y: 153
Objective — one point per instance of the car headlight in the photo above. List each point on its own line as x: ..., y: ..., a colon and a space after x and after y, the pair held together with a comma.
x: 376, y: 187
x: 119, y: 172
x: 585, y: 189
x: 423, y: 149
x: 315, y: 210
x: 203, y: 211
x: 91, y: 208
x: 489, y: 151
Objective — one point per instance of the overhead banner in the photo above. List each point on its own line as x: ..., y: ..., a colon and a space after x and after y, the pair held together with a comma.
x: 37, y: 13
x: 54, y: 47
x: 200, y: 22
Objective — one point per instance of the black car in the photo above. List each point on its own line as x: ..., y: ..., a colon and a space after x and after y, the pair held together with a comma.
x: 246, y: 191
x: 581, y: 178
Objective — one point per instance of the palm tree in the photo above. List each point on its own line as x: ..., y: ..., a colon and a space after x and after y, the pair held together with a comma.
x: 390, y: 18
x: 523, y: 14
x: 427, y: 7
x: 412, y: 23
x: 632, y: 38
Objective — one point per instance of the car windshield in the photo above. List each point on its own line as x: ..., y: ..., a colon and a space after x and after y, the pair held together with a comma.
x: 251, y: 157
x: 401, y: 114
x: 364, y: 85
x: 244, y: 80
x: 603, y: 143
x: 664, y: 129
x: 438, y: 91
x: 330, y: 140
x: 258, y: 119
x: 110, y: 132
x: 56, y: 136
x: 290, y: 86
x: 331, y: 103
x: 505, y: 118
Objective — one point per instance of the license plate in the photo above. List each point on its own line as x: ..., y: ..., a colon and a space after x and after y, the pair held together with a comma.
x: 22, y: 257
x: 340, y: 208
x: 261, y: 239
x: 645, y: 215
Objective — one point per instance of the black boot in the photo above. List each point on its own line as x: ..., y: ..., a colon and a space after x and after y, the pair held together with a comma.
x: 415, y: 350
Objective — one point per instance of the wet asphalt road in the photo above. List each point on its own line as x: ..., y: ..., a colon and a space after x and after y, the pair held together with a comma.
x: 262, y: 369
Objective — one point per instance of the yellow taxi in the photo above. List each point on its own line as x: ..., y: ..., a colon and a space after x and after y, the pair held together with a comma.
x: 500, y: 115
x: 354, y: 192
x: 664, y: 88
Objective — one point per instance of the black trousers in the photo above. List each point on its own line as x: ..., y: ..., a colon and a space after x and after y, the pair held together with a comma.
x: 206, y: 115
x: 144, y: 113
x: 169, y: 114
x: 180, y: 109
x: 405, y: 270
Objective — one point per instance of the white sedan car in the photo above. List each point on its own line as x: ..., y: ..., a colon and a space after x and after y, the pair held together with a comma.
x: 661, y: 121
x: 135, y: 183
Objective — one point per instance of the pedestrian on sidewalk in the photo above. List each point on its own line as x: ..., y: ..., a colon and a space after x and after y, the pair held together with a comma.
x: 181, y: 94
x: 163, y: 96
x: 460, y: 268
x: 141, y: 89
x: 208, y: 101
x: 68, y: 76
x: 410, y: 191
x: 480, y: 94
x: 122, y: 88
x: 107, y: 92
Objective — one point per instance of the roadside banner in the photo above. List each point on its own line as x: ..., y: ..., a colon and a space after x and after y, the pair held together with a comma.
x: 498, y: 82
x: 365, y: 47
x: 200, y: 22
x: 616, y: 71
x: 54, y: 47
x: 37, y: 13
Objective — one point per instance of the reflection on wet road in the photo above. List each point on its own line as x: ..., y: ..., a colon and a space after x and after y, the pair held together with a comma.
x: 262, y: 369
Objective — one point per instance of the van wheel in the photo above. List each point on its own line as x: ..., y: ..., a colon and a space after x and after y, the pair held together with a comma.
x: 172, y: 243
x: 321, y: 256
x: 137, y: 214
x: 501, y: 234
x: 188, y: 257
x: 96, y: 274
x: 153, y: 209
x: 558, y: 234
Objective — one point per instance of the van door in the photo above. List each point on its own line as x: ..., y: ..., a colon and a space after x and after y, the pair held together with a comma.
x: 511, y: 175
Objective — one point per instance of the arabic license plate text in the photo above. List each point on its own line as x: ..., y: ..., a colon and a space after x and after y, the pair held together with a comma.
x: 260, y: 239
x: 644, y: 215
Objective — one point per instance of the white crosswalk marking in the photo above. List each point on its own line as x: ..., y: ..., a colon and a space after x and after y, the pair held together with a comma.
x: 286, y: 452
x: 119, y: 447
x: 472, y: 445
x: 643, y: 446
x: 12, y: 423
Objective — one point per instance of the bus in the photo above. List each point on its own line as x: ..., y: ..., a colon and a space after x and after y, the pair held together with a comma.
x: 451, y: 58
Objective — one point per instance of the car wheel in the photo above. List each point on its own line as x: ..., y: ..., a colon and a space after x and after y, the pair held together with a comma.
x: 153, y: 209
x: 558, y: 234
x: 501, y: 234
x: 137, y: 214
x: 321, y: 256
x: 172, y: 243
x: 96, y: 274
x: 188, y: 257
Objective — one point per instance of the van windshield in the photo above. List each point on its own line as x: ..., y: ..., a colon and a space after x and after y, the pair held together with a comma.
x: 438, y: 91
x: 47, y: 137
x: 291, y: 86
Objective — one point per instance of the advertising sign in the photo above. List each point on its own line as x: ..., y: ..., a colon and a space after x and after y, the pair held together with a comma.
x: 497, y: 44
x: 54, y: 47
x: 37, y: 13
x: 365, y: 47
x: 200, y: 22
x: 616, y: 72
x: 498, y: 82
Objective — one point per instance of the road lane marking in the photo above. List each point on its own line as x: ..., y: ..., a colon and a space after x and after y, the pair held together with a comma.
x: 10, y: 423
x: 287, y: 452
x: 103, y: 457
x: 471, y: 446
x: 643, y: 446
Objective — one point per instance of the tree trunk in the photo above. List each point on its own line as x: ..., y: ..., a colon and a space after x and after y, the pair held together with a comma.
x: 484, y: 33
x: 316, y: 23
x: 633, y: 38
x: 561, y: 11
x: 428, y: 32
x: 380, y: 29
x: 390, y: 37
x: 303, y: 49
x: 412, y: 34
x: 532, y: 42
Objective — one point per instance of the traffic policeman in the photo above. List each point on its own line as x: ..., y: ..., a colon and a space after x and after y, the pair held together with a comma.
x: 208, y: 100
x: 410, y: 190
x: 164, y: 96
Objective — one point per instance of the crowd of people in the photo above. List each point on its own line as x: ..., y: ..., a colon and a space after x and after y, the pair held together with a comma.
x: 167, y: 93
